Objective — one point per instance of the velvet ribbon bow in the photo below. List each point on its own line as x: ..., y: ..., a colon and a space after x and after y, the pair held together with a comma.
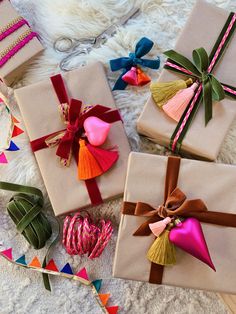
x: 143, y: 46
x: 176, y: 204
x: 201, y: 70
x: 74, y: 120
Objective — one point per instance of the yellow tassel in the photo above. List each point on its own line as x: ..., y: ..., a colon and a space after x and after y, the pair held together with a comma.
x: 162, y: 251
x: 163, y: 91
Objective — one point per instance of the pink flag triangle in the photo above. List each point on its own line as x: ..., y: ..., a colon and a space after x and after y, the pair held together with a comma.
x: 7, y: 253
x: 83, y: 274
x: 3, y: 158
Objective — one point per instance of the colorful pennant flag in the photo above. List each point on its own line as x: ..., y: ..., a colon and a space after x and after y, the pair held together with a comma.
x: 97, y: 284
x: 51, y: 266
x: 7, y: 253
x: 13, y: 147
x: 67, y: 269
x: 66, y: 272
x: 3, y: 158
x: 35, y: 263
x: 21, y: 260
x: 112, y: 309
x: 16, y: 131
x: 83, y: 274
x: 104, y: 298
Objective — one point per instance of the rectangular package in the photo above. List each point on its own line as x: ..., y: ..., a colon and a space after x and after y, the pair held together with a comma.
x: 201, y: 30
x: 15, y: 65
x: 215, y: 184
x: 39, y: 107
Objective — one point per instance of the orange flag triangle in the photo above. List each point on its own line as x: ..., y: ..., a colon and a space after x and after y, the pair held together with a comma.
x: 35, y: 263
x: 83, y: 274
x: 16, y: 131
x: 14, y: 119
x: 104, y: 298
x: 112, y: 309
x: 52, y: 266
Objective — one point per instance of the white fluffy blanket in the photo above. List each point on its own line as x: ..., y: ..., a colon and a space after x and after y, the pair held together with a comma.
x: 21, y: 290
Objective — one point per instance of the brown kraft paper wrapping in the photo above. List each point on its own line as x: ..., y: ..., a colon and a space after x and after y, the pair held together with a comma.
x: 145, y: 182
x: 39, y: 108
x: 202, y: 30
x: 15, y: 66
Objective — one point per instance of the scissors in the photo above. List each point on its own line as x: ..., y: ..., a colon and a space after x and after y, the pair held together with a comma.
x: 83, y: 46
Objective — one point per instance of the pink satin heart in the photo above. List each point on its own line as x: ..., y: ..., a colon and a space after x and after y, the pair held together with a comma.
x: 96, y: 130
x: 188, y: 236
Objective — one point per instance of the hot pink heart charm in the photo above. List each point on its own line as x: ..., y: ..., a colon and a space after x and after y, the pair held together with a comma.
x: 188, y: 236
x: 96, y: 130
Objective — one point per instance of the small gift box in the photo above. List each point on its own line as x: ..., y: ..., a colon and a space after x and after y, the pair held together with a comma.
x: 181, y: 202
x: 207, y: 118
x: 18, y: 43
x: 61, y: 133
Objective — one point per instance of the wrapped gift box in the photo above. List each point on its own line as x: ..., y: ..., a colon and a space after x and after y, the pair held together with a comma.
x: 16, y: 65
x: 202, y: 30
x: 39, y: 108
x: 145, y: 182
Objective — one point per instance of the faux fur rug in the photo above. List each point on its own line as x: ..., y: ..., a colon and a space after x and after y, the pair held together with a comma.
x: 21, y: 290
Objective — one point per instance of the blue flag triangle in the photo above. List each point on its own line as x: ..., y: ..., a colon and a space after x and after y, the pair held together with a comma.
x: 21, y: 260
x: 67, y: 269
x: 97, y: 284
x: 13, y: 147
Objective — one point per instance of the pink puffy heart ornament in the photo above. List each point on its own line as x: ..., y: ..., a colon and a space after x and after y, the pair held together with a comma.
x: 188, y: 236
x: 96, y: 130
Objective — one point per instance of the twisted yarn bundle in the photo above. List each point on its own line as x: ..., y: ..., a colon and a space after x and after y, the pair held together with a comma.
x: 82, y: 236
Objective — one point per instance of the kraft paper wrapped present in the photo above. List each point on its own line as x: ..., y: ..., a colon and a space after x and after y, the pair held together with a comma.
x: 215, y: 185
x: 203, y: 142
x: 18, y: 44
x: 39, y: 107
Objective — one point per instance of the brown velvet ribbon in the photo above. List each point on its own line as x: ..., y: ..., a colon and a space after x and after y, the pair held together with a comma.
x: 175, y: 204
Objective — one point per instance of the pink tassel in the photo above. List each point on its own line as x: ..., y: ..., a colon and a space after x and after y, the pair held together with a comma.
x: 158, y: 227
x: 105, y: 158
x: 176, y: 106
x: 131, y: 77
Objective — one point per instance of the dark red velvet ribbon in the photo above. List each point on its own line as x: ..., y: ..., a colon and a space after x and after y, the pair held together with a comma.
x: 75, y: 130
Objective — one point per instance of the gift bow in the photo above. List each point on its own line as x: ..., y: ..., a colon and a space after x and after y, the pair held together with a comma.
x: 176, y: 205
x: 201, y: 69
x: 143, y: 46
x: 74, y: 119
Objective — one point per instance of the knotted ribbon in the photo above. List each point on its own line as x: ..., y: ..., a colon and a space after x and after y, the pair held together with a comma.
x: 143, y: 46
x: 25, y: 209
x: 209, y: 89
x: 175, y: 204
x: 68, y: 139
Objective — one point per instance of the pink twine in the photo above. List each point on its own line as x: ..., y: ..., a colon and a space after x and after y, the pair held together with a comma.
x: 17, y: 47
x: 12, y: 29
x: 81, y: 235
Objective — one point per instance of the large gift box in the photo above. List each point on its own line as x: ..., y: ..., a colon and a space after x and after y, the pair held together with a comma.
x: 204, y: 27
x: 18, y: 43
x: 153, y: 187
x: 39, y: 107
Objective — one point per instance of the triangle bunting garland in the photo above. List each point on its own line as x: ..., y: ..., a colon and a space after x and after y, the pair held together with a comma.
x: 104, y: 298
x: 21, y: 260
x: 13, y: 147
x: 35, y: 263
x: 3, y: 158
x: 97, y: 284
x: 66, y: 272
x: 7, y: 253
x: 16, y: 131
x: 52, y: 266
x: 67, y: 269
x: 83, y: 274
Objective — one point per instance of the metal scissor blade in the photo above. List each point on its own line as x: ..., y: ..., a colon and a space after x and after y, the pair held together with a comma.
x: 113, y: 28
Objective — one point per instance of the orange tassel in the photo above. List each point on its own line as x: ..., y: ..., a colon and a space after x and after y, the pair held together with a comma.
x: 176, y: 106
x: 88, y: 167
x: 143, y: 78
